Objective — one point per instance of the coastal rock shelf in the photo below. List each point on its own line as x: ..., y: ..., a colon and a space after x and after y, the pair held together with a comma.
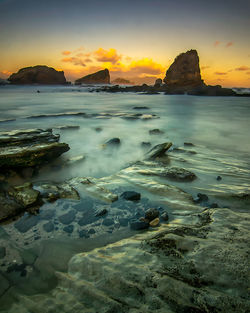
x: 24, y: 148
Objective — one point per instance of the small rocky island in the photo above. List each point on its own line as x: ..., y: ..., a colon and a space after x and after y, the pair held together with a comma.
x: 39, y: 74
x: 100, y: 77
x: 182, y: 77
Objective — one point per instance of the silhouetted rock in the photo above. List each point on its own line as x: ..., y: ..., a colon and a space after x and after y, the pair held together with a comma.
x: 131, y: 195
x: 211, y: 91
x: 39, y: 74
x: 122, y: 81
x: 184, y: 71
x: 158, y: 82
x: 100, y: 77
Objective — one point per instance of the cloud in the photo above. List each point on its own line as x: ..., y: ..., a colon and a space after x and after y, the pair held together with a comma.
x: 216, y: 43
x: 242, y: 68
x: 229, y: 44
x: 248, y: 73
x: 66, y: 52
x: 5, y: 74
x: 110, y: 55
x: 220, y: 73
x: 74, y: 60
x: 146, y: 66
x: 88, y: 60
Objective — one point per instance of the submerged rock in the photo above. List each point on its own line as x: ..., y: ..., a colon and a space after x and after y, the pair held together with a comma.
x: 112, y: 142
x: 131, y: 195
x: 158, y: 150
x: 156, y: 131
x: 151, y: 214
x: 138, y: 225
x: 100, y: 77
x: 39, y: 74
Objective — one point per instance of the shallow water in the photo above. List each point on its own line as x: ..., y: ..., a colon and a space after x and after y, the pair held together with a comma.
x: 218, y: 128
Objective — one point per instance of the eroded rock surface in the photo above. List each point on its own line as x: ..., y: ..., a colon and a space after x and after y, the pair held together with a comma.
x: 100, y: 77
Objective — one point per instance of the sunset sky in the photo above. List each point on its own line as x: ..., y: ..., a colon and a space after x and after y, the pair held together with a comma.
x: 137, y: 40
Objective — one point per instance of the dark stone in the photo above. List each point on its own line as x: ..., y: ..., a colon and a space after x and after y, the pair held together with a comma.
x: 47, y: 214
x: 68, y: 229
x: 48, y: 227
x: 145, y: 144
x: 26, y: 223
x: 158, y: 150
x: 138, y: 225
x: 212, y: 91
x: 23, y: 273
x: 123, y: 221
x: 39, y: 74
x: 156, y: 131
x: 151, y: 214
x: 88, y: 217
x: 218, y: 178
x: 84, y: 205
x: 141, y: 108
x: 201, y: 197
x: 2, y: 252
x: 100, y: 77
x: 83, y: 234
x: 16, y: 268
x: 131, y: 195
x: 91, y: 231
x: 68, y: 217
x: 108, y: 222
x: 188, y: 144
x: 214, y: 205
x: 113, y: 142
x: 37, y: 238
x: 98, y: 129
x: 164, y: 216
x: 101, y: 212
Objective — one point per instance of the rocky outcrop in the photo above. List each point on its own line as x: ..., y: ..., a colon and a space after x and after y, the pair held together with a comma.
x: 122, y: 81
x: 184, y: 71
x: 31, y: 147
x: 100, y: 77
x: 39, y: 74
x: 158, y: 82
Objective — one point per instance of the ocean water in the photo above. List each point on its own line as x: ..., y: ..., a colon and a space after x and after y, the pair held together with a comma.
x: 218, y: 128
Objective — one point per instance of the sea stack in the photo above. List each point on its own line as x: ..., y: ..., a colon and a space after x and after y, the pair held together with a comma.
x: 39, y: 74
x: 184, y: 71
x: 100, y: 77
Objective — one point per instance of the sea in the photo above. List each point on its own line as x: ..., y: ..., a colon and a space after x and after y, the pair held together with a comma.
x: 210, y: 137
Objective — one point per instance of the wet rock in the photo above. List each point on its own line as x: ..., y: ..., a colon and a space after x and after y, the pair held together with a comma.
x: 164, y: 216
x: 98, y: 129
x: 201, y: 198
x: 123, y: 221
x: 84, y: 205
x: 25, y: 194
x: 68, y: 229
x: 9, y: 207
x: 67, y: 218
x: 156, y: 131
x: 4, y: 286
x: 158, y: 150
x: 39, y: 74
x: 189, y: 144
x: 101, y: 212
x: 145, y: 144
x: 138, y: 225
x: 155, y: 222
x: 141, y: 108
x: 67, y: 127
x: 131, y: 195
x: 113, y: 142
x: 179, y: 174
x: 88, y: 217
x: 91, y: 231
x: 218, y: 178
x: 151, y: 214
x: 47, y: 214
x: 2, y: 252
x: 26, y: 223
x: 48, y: 227
x: 83, y: 234
x: 214, y: 205
x: 108, y: 222
x: 52, y: 191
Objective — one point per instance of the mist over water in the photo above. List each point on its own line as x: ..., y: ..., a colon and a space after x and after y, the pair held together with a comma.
x: 218, y: 128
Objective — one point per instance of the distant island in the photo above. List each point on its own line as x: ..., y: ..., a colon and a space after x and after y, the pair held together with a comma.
x: 182, y: 77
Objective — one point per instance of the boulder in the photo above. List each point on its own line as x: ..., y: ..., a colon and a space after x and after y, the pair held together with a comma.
x: 39, y: 74
x: 131, y: 195
x: 158, y: 82
x: 158, y: 150
x: 100, y: 77
x: 184, y: 71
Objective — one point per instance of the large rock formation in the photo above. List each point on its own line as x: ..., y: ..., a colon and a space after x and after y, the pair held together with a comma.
x: 39, y: 74
x: 185, y: 71
x: 100, y: 77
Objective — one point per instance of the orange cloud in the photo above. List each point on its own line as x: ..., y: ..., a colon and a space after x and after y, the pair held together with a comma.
x: 110, y: 55
x: 220, y: 73
x: 66, y: 52
x: 146, y: 66
x: 248, y: 73
x: 229, y: 44
x: 216, y: 43
x: 205, y: 67
x: 74, y: 60
x: 242, y: 68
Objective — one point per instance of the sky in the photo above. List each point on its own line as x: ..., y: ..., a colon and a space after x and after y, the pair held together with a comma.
x: 137, y: 40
